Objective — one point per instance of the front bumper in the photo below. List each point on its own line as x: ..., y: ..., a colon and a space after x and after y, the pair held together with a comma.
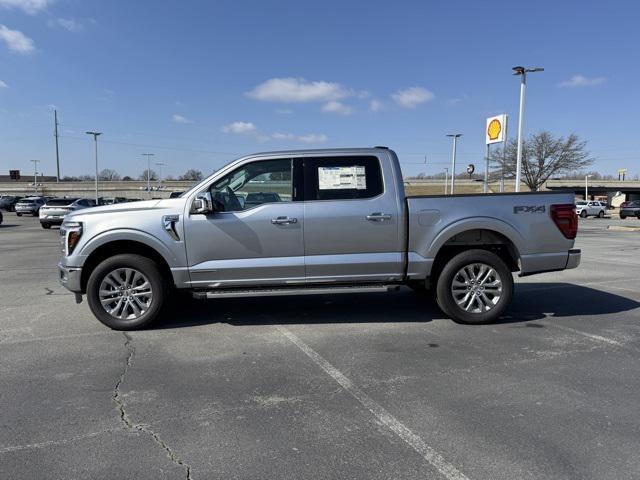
x: 573, y: 261
x: 70, y: 278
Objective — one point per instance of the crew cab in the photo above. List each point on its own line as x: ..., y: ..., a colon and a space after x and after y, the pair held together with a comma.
x: 313, y: 222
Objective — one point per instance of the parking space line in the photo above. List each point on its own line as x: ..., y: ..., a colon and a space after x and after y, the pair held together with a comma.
x: 414, y: 441
x: 597, y: 338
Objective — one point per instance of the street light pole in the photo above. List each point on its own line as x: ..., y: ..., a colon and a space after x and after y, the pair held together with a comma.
x: 35, y: 174
x: 95, y: 141
x: 586, y: 187
x: 159, y: 165
x: 148, y: 155
x: 455, y: 137
x: 522, y: 71
x: 446, y: 179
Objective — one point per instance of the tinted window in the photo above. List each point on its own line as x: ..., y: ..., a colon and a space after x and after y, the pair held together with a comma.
x: 342, y: 178
x: 61, y: 201
x: 252, y: 184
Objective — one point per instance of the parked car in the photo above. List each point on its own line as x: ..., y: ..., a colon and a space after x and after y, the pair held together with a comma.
x: 30, y: 205
x: 341, y: 223
x: 591, y: 209
x: 175, y: 194
x: 54, y: 211
x: 8, y: 202
x: 630, y: 209
x: 111, y: 200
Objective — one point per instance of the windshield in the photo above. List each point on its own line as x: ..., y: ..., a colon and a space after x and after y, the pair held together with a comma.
x: 581, y: 204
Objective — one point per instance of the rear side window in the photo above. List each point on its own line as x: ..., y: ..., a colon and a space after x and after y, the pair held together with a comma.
x: 342, y: 178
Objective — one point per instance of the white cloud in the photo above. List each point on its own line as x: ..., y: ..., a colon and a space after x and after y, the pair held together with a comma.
x: 337, y: 107
x: 283, y: 136
x: 412, y: 97
x: 376, y: 105
x: 16, y: 41
x: 297, y: 90
x: 582, y: 81
x: 68, y: 24
x: 27, y: 6
x: 240, y: 128
x: 250, y: 129
x: 180, y: 119
x: 313, y: 138
x: 3, y: 85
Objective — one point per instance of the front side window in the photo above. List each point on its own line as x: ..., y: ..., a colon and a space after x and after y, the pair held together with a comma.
x: 341, y: 178
x: 252, y: 184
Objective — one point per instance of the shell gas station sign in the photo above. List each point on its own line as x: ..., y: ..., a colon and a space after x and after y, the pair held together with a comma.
x: 496, y: 129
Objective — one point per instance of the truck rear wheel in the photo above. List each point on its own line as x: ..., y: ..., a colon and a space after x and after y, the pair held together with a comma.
x: 126, y: 292
x: 475, y: 287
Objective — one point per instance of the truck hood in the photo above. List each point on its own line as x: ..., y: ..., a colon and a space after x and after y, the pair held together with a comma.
x: 127, y: 207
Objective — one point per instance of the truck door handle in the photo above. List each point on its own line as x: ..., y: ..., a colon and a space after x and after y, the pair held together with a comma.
x: 283, y: 220
x: 378, y: 217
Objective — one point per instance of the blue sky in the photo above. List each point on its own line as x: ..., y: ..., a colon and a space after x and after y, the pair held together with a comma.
x: 199, y: 83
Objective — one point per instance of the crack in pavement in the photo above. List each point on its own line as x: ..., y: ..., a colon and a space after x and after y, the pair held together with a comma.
x: 129, y: 424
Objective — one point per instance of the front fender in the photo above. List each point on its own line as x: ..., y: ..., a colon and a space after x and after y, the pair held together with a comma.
x: 132, y: 235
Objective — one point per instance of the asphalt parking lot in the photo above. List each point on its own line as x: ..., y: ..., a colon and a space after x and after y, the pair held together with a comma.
x: 376, y: 386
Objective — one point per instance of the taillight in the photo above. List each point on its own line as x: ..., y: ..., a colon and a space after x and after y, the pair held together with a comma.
x: 565, y: 218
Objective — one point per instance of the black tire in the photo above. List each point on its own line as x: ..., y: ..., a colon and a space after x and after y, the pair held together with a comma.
x: 584, y: 214
x: 622, y: 217
x: 46, y: 226
x: 601, y: 214
x: 145, y: 266
x: 445, y: 297
x: 18, y: 214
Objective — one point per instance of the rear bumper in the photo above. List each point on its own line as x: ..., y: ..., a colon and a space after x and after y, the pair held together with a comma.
x: 573, y: 261
x: 51, y: 221
x: 70, y: 278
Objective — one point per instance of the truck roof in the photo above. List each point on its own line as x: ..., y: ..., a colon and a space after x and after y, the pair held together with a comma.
x: 315, y: 151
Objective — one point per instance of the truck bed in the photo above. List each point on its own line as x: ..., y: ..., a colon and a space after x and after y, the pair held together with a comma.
x: 522, y: 219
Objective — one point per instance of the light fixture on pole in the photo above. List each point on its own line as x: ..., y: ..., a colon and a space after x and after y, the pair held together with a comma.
x: 586, y: 187
x: 522, y: 71
x: 35, y: 174
x: 95, y: 141
x: 148, y: 155
x: 455, y: 137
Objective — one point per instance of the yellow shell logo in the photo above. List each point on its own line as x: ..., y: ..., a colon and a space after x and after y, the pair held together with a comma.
x: 494, y: 129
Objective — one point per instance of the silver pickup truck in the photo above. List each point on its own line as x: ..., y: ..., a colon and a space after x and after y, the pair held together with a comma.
x: 313, y: 222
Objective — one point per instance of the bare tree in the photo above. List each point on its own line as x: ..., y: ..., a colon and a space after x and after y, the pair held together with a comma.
x: 543, y: 156
x: 152, y: 175
x: 108, y: 175
x: 191, y: 174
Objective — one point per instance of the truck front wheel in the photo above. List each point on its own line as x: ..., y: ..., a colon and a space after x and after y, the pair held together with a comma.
x: 126, y: 292
x: 475, y: 287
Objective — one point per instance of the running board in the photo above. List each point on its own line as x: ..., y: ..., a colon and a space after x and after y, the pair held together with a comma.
x: 276, y: 292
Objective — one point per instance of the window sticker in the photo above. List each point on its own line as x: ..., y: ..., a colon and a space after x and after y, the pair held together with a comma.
x: 342, y: 178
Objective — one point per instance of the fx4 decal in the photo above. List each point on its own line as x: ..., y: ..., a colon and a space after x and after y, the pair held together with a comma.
x: 529, y: 209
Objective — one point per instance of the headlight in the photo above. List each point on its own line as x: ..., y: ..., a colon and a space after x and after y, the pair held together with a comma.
x: 71, y: 231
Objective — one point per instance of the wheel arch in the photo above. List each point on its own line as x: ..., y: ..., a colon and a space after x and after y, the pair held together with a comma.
x: 495, y: 236
x: 117, y: 247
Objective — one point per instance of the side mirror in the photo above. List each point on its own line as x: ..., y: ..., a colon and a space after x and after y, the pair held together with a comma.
x: 202, y: 204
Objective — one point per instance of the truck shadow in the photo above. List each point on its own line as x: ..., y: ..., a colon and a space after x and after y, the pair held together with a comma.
x: 531, y: 302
